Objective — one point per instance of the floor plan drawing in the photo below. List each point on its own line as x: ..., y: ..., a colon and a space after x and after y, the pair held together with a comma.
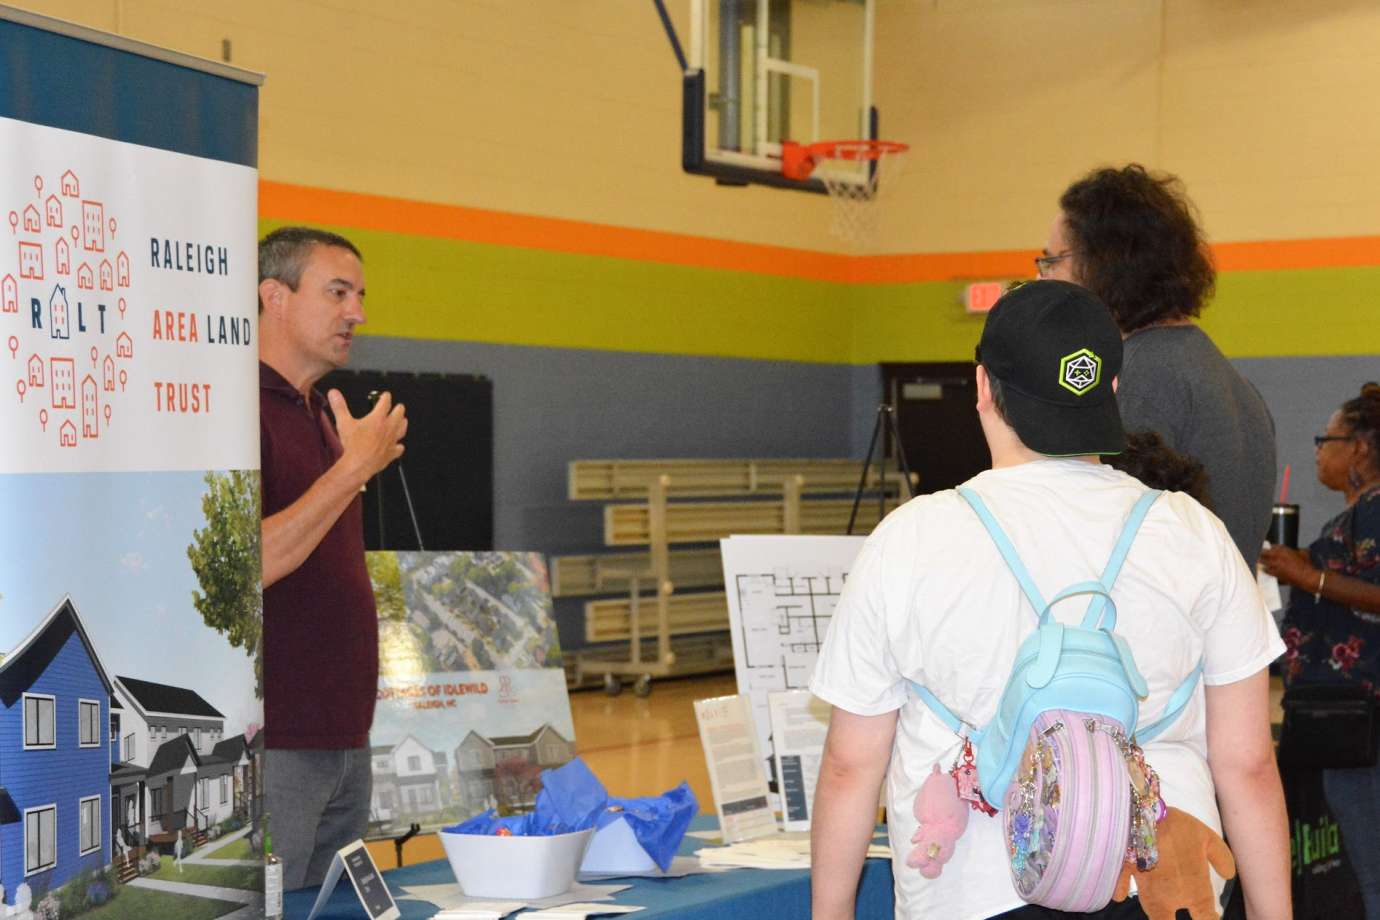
x: 782, y: 591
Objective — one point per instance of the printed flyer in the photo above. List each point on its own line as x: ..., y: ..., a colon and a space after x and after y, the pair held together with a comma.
x: 472, y: 701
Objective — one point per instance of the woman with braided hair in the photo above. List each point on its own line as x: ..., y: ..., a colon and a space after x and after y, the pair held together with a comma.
x: 1332, y: 624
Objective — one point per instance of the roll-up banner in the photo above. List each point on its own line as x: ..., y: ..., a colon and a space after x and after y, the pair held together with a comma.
x: 130, y: 601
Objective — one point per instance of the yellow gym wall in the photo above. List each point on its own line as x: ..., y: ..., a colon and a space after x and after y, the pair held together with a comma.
x: 515, y: 164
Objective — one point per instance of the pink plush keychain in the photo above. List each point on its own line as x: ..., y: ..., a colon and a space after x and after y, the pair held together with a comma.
x: 943, y: 818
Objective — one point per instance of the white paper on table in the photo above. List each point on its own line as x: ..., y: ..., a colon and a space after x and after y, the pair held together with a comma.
x: 711, y: 836
x: 782, y: 851
x: 451, y: 897
x: 581, y: 911
x: 779, y: 851
x: 799, y: 724
x: 680, y: 866
x: 580, y: 891
x: 481, y: 910
x: 736, y: 776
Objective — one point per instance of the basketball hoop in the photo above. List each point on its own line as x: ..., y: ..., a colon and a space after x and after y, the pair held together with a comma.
x: 856, y: 174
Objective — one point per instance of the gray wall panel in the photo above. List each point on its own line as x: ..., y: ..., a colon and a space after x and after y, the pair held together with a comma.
x: 1301, y: 394
x: 553, y: 405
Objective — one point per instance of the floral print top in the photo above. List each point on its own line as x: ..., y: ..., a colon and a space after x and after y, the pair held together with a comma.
x: 1326, y: 642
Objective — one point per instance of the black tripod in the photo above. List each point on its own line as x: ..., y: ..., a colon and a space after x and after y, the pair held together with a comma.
x: 884, y: 411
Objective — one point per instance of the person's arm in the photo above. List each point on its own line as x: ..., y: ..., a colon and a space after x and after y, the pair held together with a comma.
x: 1242, y: 760
x: 370, y: 443
x: 1294, y: 567
x: 856, y: 753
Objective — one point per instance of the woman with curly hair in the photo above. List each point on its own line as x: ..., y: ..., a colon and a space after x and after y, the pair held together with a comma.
x: 1131, y: 237
x: 1332, y: 623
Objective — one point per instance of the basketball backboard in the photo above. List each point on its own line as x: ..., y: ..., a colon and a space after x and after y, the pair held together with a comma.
x: 762, y: 72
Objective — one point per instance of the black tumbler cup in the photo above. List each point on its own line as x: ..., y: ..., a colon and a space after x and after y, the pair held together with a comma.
x: 1284, y: 526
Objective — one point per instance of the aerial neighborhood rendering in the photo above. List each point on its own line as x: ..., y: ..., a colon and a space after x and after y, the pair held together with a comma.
x: 103, y: 776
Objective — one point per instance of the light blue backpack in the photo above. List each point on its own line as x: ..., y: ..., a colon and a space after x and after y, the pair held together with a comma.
x: 1067, y: 729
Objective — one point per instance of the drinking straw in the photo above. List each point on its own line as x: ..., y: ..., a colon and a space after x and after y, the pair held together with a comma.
x: 1284, y: 486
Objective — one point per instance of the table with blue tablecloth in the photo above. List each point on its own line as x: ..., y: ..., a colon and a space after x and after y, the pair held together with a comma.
x: 762, y: 894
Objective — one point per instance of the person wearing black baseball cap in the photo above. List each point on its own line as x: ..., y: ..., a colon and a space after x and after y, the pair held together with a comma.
x: 1054, y: 353
x: 930, y: 601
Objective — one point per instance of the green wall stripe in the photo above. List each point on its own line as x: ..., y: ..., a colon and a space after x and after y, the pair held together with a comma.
x: 429, y: 288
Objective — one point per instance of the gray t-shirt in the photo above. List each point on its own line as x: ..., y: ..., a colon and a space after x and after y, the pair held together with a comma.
x: 1175, y: 382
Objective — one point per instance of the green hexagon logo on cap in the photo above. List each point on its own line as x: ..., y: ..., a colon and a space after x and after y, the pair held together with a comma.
x: 1080, y: 371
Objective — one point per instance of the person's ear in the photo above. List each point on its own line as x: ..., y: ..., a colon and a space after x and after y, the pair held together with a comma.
x: 984, y: 389
x: 271, y: 295
x: 1365, y: 457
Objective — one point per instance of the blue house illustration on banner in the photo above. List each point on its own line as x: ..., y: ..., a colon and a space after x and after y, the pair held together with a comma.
x: 54, y: 757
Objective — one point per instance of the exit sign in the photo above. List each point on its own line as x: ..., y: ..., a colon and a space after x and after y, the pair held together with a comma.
x: 982, y: 296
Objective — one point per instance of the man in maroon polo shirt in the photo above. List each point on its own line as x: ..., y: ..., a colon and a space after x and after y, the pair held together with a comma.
x: 320, y: 624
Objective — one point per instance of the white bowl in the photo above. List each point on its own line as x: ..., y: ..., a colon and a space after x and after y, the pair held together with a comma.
x: 515, y: 868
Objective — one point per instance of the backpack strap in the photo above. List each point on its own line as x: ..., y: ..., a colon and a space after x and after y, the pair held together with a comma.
x: 945, y: 714
x: 1008, y: 552
x: 1177, y: 701
x: 1094, y: 617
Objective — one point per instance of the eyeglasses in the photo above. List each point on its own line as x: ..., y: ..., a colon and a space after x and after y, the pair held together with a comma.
x: 1044, y: 263
x: 1320, y: 439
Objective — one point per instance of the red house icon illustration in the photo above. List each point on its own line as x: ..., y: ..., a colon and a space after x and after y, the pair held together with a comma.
x: 67, y: 434
x: 124, y: 346
x: 64, y: 256
x: 9, y: 294
x: 52, y: 207
x: 31, y: 219
x: 107, y: 276
x: 35, y: 371
x: 108, y: 374
x: 93, y: 226
x: 70, y: 186
x: 86, y: 281
x: 90, y: 408
x: 63, y: 373
x: 31, y: 261
x: 57, y: 313
x: 122, y: 269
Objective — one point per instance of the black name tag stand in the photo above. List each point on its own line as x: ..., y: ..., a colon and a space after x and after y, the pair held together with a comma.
x: 355, y: 862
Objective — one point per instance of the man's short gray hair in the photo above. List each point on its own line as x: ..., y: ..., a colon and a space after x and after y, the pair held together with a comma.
x: 283, y: 253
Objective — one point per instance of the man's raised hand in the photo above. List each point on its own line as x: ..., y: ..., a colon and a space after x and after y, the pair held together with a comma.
x: 371, y: 441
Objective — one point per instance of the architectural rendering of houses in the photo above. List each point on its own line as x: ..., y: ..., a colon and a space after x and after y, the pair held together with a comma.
x: 94, y: 768
x: 506, y: 768
x: 54, y: 756
x: 410, y: 780
x: 175, y: 769
x: 243, y: 760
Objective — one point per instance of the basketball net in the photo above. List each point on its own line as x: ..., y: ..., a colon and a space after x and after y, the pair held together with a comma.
x: 860, y: 176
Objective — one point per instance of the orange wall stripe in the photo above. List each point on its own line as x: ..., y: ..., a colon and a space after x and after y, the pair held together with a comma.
x: 1275, y: 255
x: 282, y: 201
x: 279, y: 201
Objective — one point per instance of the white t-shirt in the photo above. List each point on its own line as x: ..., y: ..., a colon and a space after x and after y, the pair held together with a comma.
x: 929, y: 599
